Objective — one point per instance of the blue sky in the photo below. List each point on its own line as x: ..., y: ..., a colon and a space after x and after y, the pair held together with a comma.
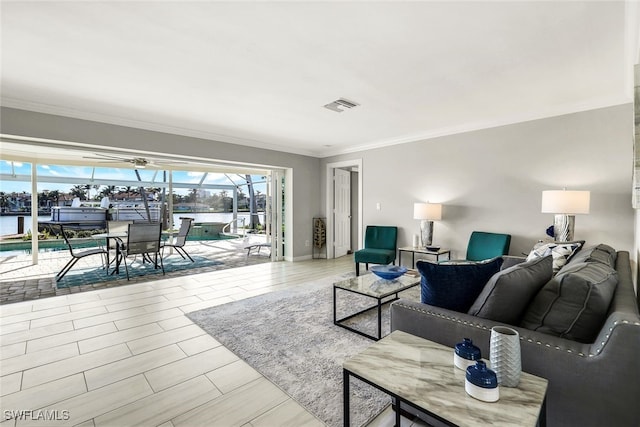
x: 110, y: 173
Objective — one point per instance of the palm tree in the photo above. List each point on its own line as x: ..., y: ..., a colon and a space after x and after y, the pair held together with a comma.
x: 107, y: 191
x: 4, y: 201
x: 54, y: 195
x: 78, y: 191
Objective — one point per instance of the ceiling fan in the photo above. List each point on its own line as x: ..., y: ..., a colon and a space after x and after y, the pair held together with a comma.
x: 137, y: 162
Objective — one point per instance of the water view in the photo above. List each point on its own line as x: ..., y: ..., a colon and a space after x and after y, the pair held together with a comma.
x: 9, y: 223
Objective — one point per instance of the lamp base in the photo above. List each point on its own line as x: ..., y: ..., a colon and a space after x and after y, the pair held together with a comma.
x: 563, y: 227
x: 426, y: 232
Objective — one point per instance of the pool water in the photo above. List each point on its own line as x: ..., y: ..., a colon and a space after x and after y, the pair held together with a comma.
x: 17, y: 248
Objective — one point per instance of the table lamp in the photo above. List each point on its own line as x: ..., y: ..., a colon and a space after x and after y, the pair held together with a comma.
x: 427, y: 213
x: 565, y: 204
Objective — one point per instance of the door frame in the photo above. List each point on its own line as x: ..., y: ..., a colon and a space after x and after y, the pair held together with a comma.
x: 357, y: 163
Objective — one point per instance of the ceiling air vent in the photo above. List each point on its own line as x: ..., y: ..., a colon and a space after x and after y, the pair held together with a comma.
x: 339, y: 105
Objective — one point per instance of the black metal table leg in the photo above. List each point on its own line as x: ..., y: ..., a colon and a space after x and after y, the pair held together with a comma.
x: 380, y: 317
x: 335, y: 318
x: 345, y: 382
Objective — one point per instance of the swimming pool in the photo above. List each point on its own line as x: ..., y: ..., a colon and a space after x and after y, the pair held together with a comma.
x: 23, y: 247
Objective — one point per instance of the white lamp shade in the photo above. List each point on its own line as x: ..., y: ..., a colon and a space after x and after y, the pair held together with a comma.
x: 429, y: 211
x: 566, y: 202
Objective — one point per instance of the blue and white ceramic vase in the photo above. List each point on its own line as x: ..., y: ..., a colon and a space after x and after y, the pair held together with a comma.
x: 504, y: 354
x: 481, y: 383
x: 465, y: 354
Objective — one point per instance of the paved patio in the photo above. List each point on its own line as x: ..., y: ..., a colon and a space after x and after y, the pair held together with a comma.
x: 21, y: 281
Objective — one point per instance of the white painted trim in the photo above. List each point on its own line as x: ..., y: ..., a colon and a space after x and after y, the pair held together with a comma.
x: 434, y: 133
x: 483, y: 124
x: 329, y: 202
x: 288, y: 214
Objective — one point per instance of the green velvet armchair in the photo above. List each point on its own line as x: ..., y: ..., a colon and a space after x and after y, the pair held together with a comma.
x: 380, y: 245
x: 483, y: 245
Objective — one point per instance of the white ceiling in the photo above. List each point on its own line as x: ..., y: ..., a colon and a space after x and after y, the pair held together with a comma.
x: 259, y: 73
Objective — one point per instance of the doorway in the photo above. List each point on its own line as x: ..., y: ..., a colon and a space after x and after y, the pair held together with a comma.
x: 343, y: 195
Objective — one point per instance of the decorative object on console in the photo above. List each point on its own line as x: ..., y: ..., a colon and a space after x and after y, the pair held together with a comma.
x: 388, y: 272
x: 465, y: 354
x: 565, y: 204
x: 505, y: 355
x: 427, y: 213
x: 481, y: 383
x: 319, y: 237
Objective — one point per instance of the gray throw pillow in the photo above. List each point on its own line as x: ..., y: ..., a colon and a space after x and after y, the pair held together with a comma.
x: 574, y: 303
x: 508, y: 293
x: 599, y: 253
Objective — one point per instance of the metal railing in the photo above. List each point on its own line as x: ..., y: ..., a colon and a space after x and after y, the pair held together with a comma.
x: 226, y: 228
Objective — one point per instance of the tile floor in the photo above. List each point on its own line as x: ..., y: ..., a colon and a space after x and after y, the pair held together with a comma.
x: 128, y: 355
x: 20, y: 280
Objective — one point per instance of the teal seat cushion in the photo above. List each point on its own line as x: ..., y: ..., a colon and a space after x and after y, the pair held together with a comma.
x: 484, y: 245
x: 375, y: 256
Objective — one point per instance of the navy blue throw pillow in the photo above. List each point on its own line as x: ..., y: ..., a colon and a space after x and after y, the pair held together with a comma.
x: 455, y: 286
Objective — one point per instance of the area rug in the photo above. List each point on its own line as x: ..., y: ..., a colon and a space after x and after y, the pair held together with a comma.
x: 290, y: 338
x: 92, y: 275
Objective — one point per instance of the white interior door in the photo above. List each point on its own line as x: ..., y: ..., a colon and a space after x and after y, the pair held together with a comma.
x: 342, y: 212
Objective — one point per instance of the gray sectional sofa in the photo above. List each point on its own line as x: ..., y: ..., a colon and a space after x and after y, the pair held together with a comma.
x: 590, y: 384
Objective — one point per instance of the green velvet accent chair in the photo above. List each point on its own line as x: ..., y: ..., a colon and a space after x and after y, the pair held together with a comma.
x: 483, y: 245
x: 380, y: 246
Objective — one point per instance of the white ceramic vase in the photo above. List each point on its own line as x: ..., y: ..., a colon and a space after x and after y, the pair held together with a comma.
x: 504, y: 354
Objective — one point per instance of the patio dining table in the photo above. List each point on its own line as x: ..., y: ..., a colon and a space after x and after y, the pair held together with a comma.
x: 119, y: 236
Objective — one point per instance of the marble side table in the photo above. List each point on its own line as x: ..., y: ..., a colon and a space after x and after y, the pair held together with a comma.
x: 421, y: 374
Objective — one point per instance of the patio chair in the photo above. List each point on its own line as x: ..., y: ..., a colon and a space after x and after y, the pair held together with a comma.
x: 115, y: 227
x: 380, y: 244
x: 78, y: 255
x: 178, y: 241
x: 143, y: 239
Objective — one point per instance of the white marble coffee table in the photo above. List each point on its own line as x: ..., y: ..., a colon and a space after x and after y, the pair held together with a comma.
x: 421, y: 374
x: 373, y: 287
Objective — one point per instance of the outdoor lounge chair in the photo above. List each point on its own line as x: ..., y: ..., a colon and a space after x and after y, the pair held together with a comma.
x: 143, y: 239
x: 256, y: 248
x: 77, y: 255
x: 179, y: 240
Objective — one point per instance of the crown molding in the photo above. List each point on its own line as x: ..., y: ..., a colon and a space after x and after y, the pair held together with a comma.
x: 484, y: 124
x: 329, y: 152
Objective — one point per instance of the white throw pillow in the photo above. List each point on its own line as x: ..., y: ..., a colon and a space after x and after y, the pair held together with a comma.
x: 560, y: 251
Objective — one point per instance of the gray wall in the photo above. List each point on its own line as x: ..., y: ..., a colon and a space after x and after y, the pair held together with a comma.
x: 306, y: 173
x: 492, y: 180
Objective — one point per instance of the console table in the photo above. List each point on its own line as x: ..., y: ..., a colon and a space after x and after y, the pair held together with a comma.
x: 420, y: 373
x: 414, y: 251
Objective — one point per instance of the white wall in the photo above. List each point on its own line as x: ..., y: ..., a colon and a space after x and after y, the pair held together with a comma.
x: 305, y: 170
x: 492, y: 180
